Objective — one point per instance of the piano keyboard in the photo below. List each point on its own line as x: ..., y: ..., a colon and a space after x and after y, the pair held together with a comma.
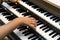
x: 25, y: 33
x: 50, y: 18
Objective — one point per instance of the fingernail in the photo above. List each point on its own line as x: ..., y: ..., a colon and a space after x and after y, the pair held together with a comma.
x: 26, y: 16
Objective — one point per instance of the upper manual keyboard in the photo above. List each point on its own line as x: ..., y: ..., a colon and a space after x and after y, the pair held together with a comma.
x: 47, y: 16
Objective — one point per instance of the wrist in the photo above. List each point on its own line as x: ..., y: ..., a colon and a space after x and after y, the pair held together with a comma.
x: 20, y: 20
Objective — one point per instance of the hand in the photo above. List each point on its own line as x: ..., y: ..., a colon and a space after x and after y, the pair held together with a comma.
x: 15, y: 1
x: 29, y: 21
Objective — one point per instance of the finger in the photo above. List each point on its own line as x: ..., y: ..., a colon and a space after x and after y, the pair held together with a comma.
x: 32, y: 17
x: 18, y: 0
x: 34, y: 24
x: 27, y: 16
x: 14, y: 1
x: 33, y: 21
x: 31, y: 25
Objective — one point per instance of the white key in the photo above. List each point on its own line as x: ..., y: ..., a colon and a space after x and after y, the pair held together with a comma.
x: 58, y: 22
x: 5, y: 20
x: 58, y: 36
x: 45, y: 35
x: 46, y: 29
x: 20, y: 35
x: 49, y: 32
x: 12, y: 9
x: 53, y: 34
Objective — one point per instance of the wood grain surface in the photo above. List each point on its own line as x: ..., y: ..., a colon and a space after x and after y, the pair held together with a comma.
x: 54, y: 10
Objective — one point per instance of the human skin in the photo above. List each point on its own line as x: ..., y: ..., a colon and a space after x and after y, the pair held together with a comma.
x: 7, y: 28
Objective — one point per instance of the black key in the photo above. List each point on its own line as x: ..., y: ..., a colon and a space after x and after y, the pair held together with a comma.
x: 48, y: 30
x: 51, y: 33
x: 16, y: 6
x: 11, y: 4
x: 35, y: 6
x: 25, y: 32
x: 0, y: 6
x: 41, y: 10
x: 26, y: 14
x: 49, y: 14
x: 22, y: 27
x: 52, y: 17
x: 46, y: 14
x: 21, y: 10
x: 34, y: 38
x: 28, y: 33
x: 2, y: 10
x: 40, y: 23
x: 6, y: 13
x: 30, y: 3
x: 54, y: 35
x: 11, y: 17
x: 45, y: 28
x: 40, y: 39
x: 1, y: 22
x: 31, y: 36
x: 57, y: 20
